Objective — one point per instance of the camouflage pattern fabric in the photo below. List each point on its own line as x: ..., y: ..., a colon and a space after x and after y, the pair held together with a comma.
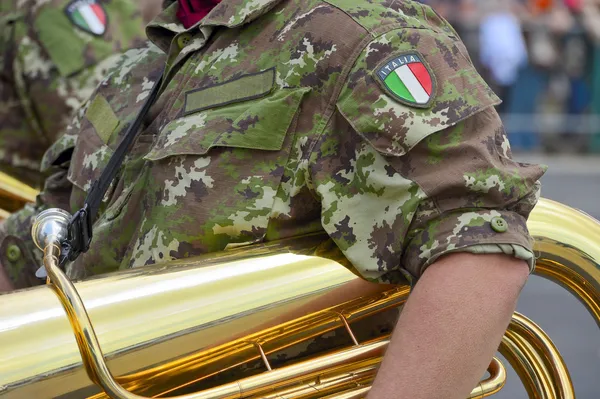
x: 49, y: 67
x: 272, y: 124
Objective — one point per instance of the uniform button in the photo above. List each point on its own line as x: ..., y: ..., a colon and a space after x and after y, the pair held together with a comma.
x: 13, y: 253
x: 499, y: 225
x: 184, y: 39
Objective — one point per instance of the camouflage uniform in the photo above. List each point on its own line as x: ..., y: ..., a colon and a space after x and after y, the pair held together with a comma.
x: 49, y: 66
x: 273, y: 123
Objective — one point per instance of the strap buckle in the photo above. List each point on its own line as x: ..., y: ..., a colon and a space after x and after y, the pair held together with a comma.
x: 80, y: 233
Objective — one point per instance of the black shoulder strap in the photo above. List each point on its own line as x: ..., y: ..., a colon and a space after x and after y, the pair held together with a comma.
x: 80, y: 228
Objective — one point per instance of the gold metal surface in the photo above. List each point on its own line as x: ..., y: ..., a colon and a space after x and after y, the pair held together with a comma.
x: 13, y: 195
x: 567, y: 242
x: 172, y: 326
x: 360, y: 360
x: 493, y: 384
x: 4, y: 214
x: 536, y: 360
x: 153, y: 316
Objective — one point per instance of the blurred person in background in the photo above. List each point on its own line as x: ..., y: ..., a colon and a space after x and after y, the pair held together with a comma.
x: 502, y: 47
x: 566, y: 102
x: 591, y: 24
x: 532, y: 84
x: 578, y: 58
x: 553, y: 83
x: 537, y: 57
x: 591, y: 18
x: 53, y: 54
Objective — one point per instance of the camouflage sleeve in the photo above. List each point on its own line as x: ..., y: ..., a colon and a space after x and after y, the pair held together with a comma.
x: 19, y: 257
x: 415, y: 163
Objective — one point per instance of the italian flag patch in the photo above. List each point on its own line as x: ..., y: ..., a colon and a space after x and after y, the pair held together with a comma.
x: 88, y: 15
x: 408, y: 79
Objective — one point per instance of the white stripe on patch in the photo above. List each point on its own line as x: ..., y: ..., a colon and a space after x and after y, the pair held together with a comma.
x: 92, y: 20
x: 413, y: 84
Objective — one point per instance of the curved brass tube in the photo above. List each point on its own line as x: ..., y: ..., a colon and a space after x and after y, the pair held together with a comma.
x: 493, y: 384
x: 536, y: 360
x: 98, y: 371
x: 91, y: 353
x: 490, y: 386
x: 567, y: 242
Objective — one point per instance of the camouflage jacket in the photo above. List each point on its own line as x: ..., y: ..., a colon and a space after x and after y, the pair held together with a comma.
x: 363, y: 119
x: 52, y: 59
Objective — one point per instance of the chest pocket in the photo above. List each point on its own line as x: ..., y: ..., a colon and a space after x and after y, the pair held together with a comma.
x: 216, y: 171
x: 209, y: 179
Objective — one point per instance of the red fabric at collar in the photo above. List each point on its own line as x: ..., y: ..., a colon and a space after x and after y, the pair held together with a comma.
x: 192, y: 11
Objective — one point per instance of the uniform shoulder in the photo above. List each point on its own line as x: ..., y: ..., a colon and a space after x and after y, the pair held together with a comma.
x: 380, y: 16
x: 76, y: 34
x: 27, y: 7
x: 11, y: 10
x: 410, y: 81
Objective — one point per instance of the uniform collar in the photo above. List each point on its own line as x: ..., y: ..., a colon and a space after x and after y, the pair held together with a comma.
x: 228, y: 13
x: 232, y: 13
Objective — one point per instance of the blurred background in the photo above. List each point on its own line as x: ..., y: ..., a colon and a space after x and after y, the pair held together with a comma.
x: 542, y: 57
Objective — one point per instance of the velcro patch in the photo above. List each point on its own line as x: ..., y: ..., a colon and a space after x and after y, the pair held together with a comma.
x: 102, y: 117
x: 247, y: 87
x: 408, y: 79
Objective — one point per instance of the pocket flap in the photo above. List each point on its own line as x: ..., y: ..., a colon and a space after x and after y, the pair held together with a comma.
x: 59, y: 151
x: 258, y: 124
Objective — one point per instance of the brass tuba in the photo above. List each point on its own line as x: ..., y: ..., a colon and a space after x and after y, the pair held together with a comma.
x: 14, y: 195
x: 212, y: 327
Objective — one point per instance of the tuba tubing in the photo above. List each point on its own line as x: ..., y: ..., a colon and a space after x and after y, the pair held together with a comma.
x: 153, y: 317
x: 14, y: 194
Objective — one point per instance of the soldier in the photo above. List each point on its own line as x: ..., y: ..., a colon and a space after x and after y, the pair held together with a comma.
x: 278, y: 118
x: 53, y: 54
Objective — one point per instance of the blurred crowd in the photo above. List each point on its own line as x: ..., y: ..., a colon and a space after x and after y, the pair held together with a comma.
x: 542, y: 57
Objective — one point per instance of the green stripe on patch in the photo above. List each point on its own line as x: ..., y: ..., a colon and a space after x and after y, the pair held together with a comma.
x: 396, y: 85
x: 247, y: 87
x: 102, y: 117
x: 78, y: 18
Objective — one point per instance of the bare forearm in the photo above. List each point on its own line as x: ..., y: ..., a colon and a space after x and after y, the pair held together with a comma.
x: 451, y: 327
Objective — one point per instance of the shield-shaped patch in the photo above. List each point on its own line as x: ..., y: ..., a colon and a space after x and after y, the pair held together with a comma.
x: 408, y: 79
x: 88, y: 15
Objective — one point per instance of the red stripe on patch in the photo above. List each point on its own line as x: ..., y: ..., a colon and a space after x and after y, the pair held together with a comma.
x: 99, y: 11
x: 422, y: 75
